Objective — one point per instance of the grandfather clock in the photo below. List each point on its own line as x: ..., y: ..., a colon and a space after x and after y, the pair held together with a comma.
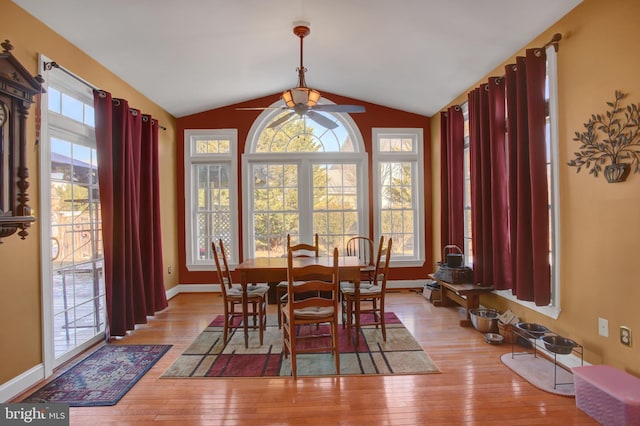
x: 17, y: 90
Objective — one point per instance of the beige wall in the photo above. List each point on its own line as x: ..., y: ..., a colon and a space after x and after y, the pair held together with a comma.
x: 20, y: 318
x: 600, y: 222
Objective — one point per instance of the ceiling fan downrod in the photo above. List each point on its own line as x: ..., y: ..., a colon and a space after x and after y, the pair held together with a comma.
x: 301, y: 30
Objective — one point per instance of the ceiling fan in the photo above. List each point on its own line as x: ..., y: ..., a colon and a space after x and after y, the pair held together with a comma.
x: 303, y: 100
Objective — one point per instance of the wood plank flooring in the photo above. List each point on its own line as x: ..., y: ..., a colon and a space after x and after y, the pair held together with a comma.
x: 475, y: 388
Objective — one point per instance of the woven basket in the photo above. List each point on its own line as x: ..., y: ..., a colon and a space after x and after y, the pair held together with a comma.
x: 505, y: 331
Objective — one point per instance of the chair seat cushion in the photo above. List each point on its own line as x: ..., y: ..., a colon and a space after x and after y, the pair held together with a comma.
x: 313, y: 312
x: 257, y: 290
x: 371, y: 291
x: 349, y: 287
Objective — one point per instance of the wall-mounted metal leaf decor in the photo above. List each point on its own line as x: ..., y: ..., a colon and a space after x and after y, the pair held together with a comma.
x: 612, y: 138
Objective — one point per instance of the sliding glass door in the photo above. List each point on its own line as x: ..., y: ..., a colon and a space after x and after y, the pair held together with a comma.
x: 72, y: 261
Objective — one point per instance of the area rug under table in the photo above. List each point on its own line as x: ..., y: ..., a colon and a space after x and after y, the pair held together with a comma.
x: 101, y: 378
x: 208, y: 356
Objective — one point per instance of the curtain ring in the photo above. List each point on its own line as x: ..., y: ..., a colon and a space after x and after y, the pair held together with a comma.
x: 102, y: 93
x: 116, y: 101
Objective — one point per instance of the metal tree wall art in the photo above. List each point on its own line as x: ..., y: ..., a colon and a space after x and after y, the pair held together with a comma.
x: 613, y: 137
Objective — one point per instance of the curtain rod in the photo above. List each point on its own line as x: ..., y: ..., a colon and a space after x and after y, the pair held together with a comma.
x: 48, y: 66
x: 555, y: 40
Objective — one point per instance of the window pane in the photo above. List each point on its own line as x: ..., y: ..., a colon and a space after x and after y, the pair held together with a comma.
x: 213, y: 215
x: 54, y: 100
x: 334, y: 192
x: 89, y: 116
x: 398, y: 206
x: 72, y: 108
x: 301, y: 134
x: 208, y: 146
x: 396, y: 144
x: 273, y: 204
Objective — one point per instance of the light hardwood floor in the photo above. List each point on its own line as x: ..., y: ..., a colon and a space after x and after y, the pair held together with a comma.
x: 475, y: 388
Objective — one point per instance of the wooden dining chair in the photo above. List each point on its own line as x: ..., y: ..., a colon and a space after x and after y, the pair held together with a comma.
x: 362, y: 247
x: 298, y: 250
x: 232, y: 295
x: 371, y: 296
x: 321, y: 308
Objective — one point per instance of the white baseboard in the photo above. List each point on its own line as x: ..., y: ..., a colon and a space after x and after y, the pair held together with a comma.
x: 215, y: 288
x: 397, y: 284
x: 19, y: 384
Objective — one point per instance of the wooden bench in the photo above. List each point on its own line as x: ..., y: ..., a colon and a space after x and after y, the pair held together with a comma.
x: 467, y: 295
x: 609, y: 395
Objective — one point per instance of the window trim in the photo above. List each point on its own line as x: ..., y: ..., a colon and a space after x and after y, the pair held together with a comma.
x: 190, y: 183
x: 418, y: 157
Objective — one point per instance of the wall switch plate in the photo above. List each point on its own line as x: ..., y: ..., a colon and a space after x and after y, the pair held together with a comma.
x: 603, y: 327
x: 625, y: 335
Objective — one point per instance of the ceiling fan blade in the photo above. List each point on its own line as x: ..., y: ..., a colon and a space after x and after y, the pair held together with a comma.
x: 338, y: 108
x: 257, y: 108
x: 322, y: 120
x: 280, y: 120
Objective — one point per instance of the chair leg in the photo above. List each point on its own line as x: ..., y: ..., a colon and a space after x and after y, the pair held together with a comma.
x: 349, y: 313
x: 226, y: 327
x: 285, y: 337
x: 260, y: 323
x: 279, y: 295
x: 336, y: 348
x: 255, y: 318
x: 382, y: 322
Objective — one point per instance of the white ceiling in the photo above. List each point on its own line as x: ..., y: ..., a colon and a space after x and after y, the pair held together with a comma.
x: 194, y: 55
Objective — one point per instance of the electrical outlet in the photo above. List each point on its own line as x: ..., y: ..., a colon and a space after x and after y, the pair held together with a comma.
x: 603, y: 327
x: 625, y: 335
x: 169, y: 269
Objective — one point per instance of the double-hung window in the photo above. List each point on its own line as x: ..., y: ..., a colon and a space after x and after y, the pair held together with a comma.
x: 398, y: 192
x: 211, y: 192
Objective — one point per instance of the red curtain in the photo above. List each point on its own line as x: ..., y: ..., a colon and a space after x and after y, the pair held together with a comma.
x: 127, y: 144
x: 452, y: 176
x: 489, y: 201
x: 528, y: 190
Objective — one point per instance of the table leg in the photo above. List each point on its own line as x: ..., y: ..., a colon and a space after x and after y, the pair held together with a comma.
x: 245, y: 308
x: 473, y: 302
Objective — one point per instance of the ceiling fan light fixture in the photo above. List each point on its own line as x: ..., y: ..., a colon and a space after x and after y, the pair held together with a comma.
x: 302, y: 100
x: 300, y: 95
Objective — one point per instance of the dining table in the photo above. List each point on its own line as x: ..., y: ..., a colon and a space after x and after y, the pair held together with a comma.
x: 274, y: 269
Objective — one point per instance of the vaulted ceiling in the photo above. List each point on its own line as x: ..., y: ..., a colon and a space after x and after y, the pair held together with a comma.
x: 193, y: 55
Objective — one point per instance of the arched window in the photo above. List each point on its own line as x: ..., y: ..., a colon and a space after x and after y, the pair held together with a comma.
x: 301, y: 179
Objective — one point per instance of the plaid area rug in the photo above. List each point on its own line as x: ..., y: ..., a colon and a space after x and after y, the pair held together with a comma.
x: 208, y: 356
x: 101, y: 378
